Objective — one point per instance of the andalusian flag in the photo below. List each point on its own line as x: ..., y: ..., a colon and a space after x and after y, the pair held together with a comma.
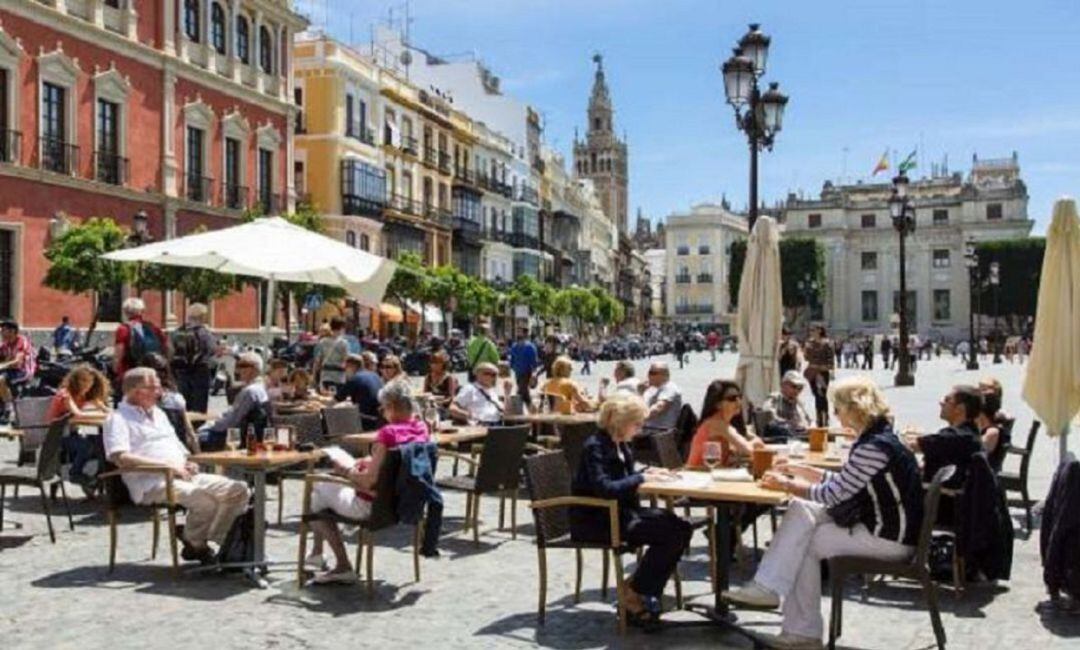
x: 909, y: 162
x: 882, y: 164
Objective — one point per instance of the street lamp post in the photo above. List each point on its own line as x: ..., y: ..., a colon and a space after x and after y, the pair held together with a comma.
x: 759, y: 115
x: 971, y: 258
x: 808, y: 287
x: 995, y: 281
x: 903, y: 217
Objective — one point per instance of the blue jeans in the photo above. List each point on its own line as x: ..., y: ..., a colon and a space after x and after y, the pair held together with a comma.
x: 80, y: 449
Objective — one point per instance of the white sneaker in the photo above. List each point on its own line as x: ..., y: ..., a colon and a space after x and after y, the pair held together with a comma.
x: 316, y: 563
x: 785, y: 641
x: 335, y: 578
x: 752, y: 595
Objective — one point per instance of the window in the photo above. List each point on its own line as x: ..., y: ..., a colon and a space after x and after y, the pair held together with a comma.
x: 55, y: 154
x: 941, y: 217
x: 234, y: 193
x: 299, y: 177
x: 363, y: 123
x: 869, y: 260
x: 217, y: 27
x: 993, y: 211
x: 363, y: 187
x: 813, y: 220
x: 7, y: 149
x: 191, y: 19
x: 197, y: 189
x: 350, y: 238
x: 266, y: 181
x: 942, y: 305
x: 869, y: 221
x: 869, y: 306
x: 407, y: 185
x: 110, y: 166
x: 349, y: 129
x: 7, y: 274
x: 266, y: 51
x: 941, y: 258
x: 115, y: 4
x: 243, y: 40
x: 365, y: 243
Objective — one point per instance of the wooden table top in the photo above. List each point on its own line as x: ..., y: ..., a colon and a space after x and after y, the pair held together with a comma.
x: 262, y: 460
x: 10, y: 433
x: 817, y: 459
x: 98, y: 419
x: 442, y: 438
x: 695, y: 486
x: 552, y: 418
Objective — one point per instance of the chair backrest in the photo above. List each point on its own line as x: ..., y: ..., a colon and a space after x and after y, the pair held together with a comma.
x: 308, y: 426
x: 686, y: 425
x: 1025, y: 462
x: 930, y: 510
x: 500, y: 461
x: 32, y: 418
x: 258, y: 417
x: 384, y: 507
x: 342, y: 420
x: 178, y: 419
x: 48, y: 461
x: 667, y: 449
x: 572, y: 439
x: 547, y: 476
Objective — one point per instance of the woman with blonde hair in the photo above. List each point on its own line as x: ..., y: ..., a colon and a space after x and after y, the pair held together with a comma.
x: 872, y: 508
x: 84, y: 390
x: 568, y: 396
x: 607, y: 472
x: 390, y: 369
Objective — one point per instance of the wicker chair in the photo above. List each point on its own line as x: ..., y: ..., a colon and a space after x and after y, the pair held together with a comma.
x: 307, y: 429
x: 383, y: 515
x: 342, y: 420
x: 117, y: 499
x: 917, y: 568
x: 32, y: 418
x: 547, y: 478
x: 572, y: 439
x: 47, y: 472
x: 498, y: 471
x: 1018, y: 481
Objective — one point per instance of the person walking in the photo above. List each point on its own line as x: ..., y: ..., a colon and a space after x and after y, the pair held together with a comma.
x: 680, y: 350
x: 194, y: 348
x: 524, y: 360
x: 886, y: 351
x: 713, y: 341
x: 481, y: 349
x: 820, y: 355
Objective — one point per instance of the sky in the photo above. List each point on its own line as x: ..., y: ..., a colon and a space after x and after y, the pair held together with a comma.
x: 951, y: 78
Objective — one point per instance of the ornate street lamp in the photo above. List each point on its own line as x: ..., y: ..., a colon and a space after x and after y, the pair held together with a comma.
x: 903, y: 217
x: 971, y: 259
x: 760, y: 116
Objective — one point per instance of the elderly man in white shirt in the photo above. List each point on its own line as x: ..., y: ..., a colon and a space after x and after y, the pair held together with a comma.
x: 138, y: 434
x: 479, y: 401
x: 663, y: 398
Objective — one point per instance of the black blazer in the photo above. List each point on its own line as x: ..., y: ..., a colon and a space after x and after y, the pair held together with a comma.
x: 604, y: 474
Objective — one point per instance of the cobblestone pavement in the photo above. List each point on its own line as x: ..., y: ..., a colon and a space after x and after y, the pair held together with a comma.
x: 61, y: 596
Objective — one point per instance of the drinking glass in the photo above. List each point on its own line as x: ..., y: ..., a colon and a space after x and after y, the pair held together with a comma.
x: 232, y: 439
x: 283, y: 437
x: 713, y: 455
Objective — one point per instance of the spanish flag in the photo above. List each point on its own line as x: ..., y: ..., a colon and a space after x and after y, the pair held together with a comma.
x: 882, y: 164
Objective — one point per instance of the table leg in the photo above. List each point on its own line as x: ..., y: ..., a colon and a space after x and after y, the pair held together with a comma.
x: 723, y: 558
x: 258, y: 570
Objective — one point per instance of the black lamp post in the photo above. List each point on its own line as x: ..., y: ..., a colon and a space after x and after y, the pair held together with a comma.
x: 971, y: 258
x: 995, y: 281
x: 759, y: 115
x: 903, y: 218
x: 808, y: 286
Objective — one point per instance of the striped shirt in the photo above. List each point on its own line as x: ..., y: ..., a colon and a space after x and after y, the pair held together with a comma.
x: 863, y: 464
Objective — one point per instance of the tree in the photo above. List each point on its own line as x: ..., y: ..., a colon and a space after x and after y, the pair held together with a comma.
x: 1020, y: 268
x: 799, y: 258
x: 76, y: 265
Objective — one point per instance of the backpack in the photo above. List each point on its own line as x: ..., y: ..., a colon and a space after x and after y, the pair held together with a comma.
x: 187, y: 348
x: 239, y: 544
x: 141, y: 345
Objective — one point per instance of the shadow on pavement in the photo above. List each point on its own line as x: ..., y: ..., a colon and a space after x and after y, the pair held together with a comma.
x: 13, y: 541
x: 342, y: 600
x: 157, y: 579
x: 1058, y: 619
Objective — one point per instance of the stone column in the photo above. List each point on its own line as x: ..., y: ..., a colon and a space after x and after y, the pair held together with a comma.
x: 234, y: 58
x: 204, y: 28
x: 97, y: 12
x: 169, y: 26
x: 169, y: 319
x: 290, y: 156
x: 256, y: 50
x: 131, y: 21
x: 168, y: 140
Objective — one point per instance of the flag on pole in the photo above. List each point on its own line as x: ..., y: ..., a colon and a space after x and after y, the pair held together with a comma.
x: 908, y: 163
x: 882, y: 164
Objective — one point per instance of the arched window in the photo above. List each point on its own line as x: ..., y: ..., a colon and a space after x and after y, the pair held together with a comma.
x: 191, y: 19
x: 266, y: 51
x: 243, y: 40
x: 217, y: 27
x: 350, y: 238
x: 365, y: 243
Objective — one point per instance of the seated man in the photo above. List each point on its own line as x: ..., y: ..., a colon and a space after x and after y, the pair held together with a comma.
x: 138, y: 433
x: 956, y: 443
x: 625, y: 381
x: 663, y: 399
x: 361, y: 387
x: 479, y: 401
x: 783, y: 415
x: 245, y: 409
x: 17, y: 364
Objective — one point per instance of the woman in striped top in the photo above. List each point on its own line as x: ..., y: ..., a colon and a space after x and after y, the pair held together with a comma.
x: 872, y: 507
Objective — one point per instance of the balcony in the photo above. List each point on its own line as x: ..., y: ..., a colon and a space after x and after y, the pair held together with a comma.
x: 409, y: 146
x: 10, y: 146
x: 496, y: 235
x: 528, y: 195
x: 110, y: 168
x: 523, y: 240
x: 683, y: 310
x: 361, y: 206
x: 466, y: 230
x: 367, y: 136
x: 198, y: 188
x: 682, y: 250
x: 465, y: 175
x: 431, y: 157
x: 58, y: 156
x: 682, y: 278
x: 703, y: 249
x: 445, y: 162
x: 235, y: 197
x: 704, y: 278
x: 421, y: 210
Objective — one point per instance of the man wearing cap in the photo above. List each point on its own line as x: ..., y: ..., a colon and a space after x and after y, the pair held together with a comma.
x: 783, y: 415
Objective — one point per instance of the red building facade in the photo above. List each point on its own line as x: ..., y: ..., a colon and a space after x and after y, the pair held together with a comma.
x: 180, y: 109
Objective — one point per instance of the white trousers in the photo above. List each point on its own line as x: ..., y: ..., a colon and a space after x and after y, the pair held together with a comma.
x: 212, y: 501
x: 791, y: 567
x: 339, y: 498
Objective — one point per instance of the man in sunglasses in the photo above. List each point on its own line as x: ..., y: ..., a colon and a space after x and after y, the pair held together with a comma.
x: 663, y: 399
x: 479, y: 401
x: 250, y: 402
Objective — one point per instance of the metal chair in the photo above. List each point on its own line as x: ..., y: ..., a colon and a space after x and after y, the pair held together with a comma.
x: 32, y: 418
x: 498, y: 471
x: 547, y: 478
x: 1018, y: 481
x: 47, y: 472
x: 307, y: 429
x: 917, y: 568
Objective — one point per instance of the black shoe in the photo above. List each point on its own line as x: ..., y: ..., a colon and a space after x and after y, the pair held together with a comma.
x: 202, y: 555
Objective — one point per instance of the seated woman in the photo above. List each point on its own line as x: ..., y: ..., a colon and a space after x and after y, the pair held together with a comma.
x: 396, y: 402
x: 569, y: 396
x: 277, y: 372
x: 993, y: 423
x: 872, y: 507
x: 298, y: 394
x: 607, y: 472
x: 439, y: 382
x: 83, y: 391
x: 172, y: 401
x: 721, y: 421
x: 390, y: 369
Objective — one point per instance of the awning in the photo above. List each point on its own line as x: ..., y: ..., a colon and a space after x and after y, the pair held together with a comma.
x: 392, y: 313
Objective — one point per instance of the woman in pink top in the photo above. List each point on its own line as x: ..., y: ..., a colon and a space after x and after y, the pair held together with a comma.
x: 403, y: 427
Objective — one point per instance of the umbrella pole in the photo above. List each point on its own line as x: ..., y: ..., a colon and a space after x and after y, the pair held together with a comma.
x: 269, y: 316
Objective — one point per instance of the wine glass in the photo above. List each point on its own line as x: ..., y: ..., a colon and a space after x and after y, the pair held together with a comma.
x: 431, y: 416
x: 232, y: 439
x: 713, y: 455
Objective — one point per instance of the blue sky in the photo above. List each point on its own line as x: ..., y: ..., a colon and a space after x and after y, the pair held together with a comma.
x: 960, y: 77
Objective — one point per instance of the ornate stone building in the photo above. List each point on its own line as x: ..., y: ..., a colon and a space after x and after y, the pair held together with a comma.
x: 602, y: 156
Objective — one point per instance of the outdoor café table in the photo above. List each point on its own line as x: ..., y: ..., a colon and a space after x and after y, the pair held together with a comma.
x: 723, y: 495
x: 447, y: 438
x: 257, y: 465
x: 552, y: 418
x: 818, y: 459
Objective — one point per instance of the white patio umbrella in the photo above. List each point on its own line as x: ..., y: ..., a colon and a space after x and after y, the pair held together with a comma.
x: 1052, y: 382
x: 760, y: 314
x: 277, y: 251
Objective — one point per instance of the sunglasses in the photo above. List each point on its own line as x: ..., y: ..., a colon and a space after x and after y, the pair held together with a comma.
x: 731, y: 398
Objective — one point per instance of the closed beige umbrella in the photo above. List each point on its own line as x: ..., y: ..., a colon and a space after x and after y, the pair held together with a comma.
x: 760, y: 314
x: 1052, y: 383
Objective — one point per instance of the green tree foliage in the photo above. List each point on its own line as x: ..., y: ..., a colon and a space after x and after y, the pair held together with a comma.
x: 75, y: 260
x: 799, y: 257
x: 1020, y: 267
